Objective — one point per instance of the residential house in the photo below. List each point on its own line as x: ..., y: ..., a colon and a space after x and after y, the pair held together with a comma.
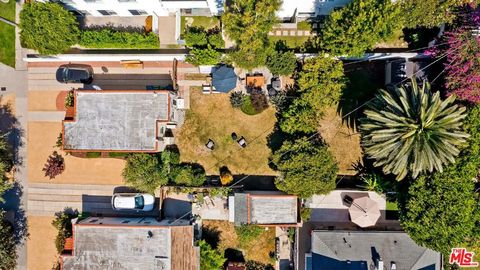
x: 266, y: 209
x: 155, y: 8
x: 293, y: 10
x: 365, y: 250
x: 121, y: 121
x: 132, y: 243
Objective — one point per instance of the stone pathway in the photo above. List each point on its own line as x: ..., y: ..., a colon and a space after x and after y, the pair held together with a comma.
x: 290, y: 32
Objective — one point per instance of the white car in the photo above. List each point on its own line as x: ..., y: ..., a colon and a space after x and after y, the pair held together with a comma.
x: 133, y: 201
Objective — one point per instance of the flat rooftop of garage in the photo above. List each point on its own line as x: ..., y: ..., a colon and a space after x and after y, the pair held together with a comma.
x: 116, y: 120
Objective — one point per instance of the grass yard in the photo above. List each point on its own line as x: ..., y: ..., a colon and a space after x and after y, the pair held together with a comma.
x: 224, y: 233
x: 7, y: 44
x: 199, y: 21
x: 212, y: 117
x: 343, y: 142
x: 7, y: 11
x: 293, y: 42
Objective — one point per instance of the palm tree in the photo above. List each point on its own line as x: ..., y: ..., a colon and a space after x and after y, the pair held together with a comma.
x: 410, y: 130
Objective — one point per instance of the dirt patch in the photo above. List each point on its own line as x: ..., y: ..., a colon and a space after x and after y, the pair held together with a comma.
x: 258, y: 250
x: 46, y: 100
x: 212, y: 117
x: 41, y: 251
x: 42, y: 137
x: 343, y: 142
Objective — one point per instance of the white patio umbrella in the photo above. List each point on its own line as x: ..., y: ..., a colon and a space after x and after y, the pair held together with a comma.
x: 364, y: 212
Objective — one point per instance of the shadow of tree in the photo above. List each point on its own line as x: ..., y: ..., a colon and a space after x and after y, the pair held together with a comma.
x: 253, y: 265
x: 361, y: 88
x: 211, y: 235
x: 234, y: 255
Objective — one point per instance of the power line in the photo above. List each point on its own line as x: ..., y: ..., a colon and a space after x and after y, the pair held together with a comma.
x: 316, y: 133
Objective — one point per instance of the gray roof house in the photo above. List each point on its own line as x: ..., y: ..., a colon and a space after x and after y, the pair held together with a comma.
x: 263, y: 209
x: 369, y: 250
x: 131, y: 243
x: 116, y: 121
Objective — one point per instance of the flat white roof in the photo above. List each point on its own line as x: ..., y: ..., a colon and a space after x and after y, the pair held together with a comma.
x: 314, y: 7
x: 116, y: 120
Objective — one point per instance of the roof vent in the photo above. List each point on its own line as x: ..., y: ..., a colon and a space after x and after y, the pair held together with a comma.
x: 393, y: 266
x: 380, y: 264
x: 150, y: 234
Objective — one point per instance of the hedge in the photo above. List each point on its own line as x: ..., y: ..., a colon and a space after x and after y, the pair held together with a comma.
x: 111, y: 38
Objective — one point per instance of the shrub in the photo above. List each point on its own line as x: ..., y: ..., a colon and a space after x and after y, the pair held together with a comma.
x: 55, y: 165
x: 59, y: 142
x: 196, y: 36
x: 259, y: 101
x: 216, y: 40
x: 279, y: 100
x: 247, y: 106
x: 115, y: 38
x: 93, y: 154
x: 247, y: 233
x: 281, y: 63
x: 236, y: 99
x: 144, y: 172
x: 69, y: 99
x: 48, y: 28
x: 210, y: 259
x: 226, y: 176
x: 203, y: 56
x: 305, y: 213
x: 117, y: 154
x: 219, y: 192
x: 189, y: 176
x: 63, y: 224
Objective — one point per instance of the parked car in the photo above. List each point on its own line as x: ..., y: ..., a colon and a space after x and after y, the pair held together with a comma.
x: 74, y: 73
x: 133, y: 201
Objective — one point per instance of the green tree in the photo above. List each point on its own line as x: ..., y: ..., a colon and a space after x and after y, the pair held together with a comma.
x: 410, y: 130
x: 281, y: 63
x: 248, y: 22
x: 306, y: 168
x: 144, y: 172
x: 429, y: 13
x: 7, y: 245
x: 204, y: 56
x: 320, y: 85
x: 195, y: 36
x: 357, y: 27
x: 189, y: 176
x: 48, y: 27
x: 441, y: 210
x: 210, y: 259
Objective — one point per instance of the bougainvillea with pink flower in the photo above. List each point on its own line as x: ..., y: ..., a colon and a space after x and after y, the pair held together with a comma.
x: 463, y: 57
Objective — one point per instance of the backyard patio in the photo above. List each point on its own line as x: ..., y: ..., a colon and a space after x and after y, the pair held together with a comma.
x: 212, y: 117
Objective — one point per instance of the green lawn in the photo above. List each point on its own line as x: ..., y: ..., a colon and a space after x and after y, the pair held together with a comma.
x: 392, y: 206
x: 7, y: 11
x: 293, y: 42
x: 199, y: 21
x: 7, y: 44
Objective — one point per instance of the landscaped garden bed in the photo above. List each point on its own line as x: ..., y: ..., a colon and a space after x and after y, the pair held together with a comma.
x: 213, y: 117
x: 258, y: 243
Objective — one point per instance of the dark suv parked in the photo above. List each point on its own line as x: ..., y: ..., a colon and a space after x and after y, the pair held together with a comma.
x: 74, y: 73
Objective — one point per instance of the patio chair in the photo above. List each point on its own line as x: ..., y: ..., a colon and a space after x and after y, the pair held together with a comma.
x: 242, y: 142
x: 210, y: 144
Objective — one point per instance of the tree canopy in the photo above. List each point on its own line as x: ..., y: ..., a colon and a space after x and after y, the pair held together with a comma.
x: 248, y: 22
x: 306, y: 168
x: 463, y: 62
x: 210, y: 259
x: 281, y: 62
x: 441, y: 211
x: 429, y: 13
x: 48, y: 27
x: 145, y: 172
x: 409, y: 130
x: 357, y: 27
x: 320, y: 85
x: 7, y: 245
